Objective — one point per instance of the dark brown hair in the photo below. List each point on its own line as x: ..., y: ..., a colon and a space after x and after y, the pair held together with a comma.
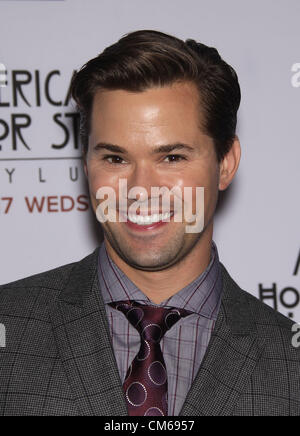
x: 147, y: 58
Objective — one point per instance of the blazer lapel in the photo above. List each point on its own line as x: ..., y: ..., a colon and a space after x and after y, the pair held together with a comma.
x: 82, y: 334
x: 231, y: 357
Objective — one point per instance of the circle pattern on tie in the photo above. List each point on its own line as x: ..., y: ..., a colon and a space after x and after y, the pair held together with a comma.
x: 144, y: 352
x: 122, y: 306
x: 136, y: 394
x: 154, y: 411
x: 157, y: 373
x: 135, y: 316
x: 152, y: 332
x: 172, y: 318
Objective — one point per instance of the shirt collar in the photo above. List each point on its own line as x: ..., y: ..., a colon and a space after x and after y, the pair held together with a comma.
x: 202, y: 296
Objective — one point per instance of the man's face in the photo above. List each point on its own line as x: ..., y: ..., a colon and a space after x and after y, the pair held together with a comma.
x: 140, y: 123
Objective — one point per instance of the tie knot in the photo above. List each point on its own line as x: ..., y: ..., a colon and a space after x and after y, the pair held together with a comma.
x: 152, y: 322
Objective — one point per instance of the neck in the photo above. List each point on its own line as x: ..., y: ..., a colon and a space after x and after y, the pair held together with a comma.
x: 158, y: 286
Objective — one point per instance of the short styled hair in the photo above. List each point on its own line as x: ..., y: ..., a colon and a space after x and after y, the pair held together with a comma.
x: 145, y: 59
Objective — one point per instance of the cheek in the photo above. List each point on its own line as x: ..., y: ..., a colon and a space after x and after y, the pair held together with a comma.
x: 95, y: 182
x: 201, y: 178
x: 211, y: 196
x: 98, y: 178
x: 208, y: 181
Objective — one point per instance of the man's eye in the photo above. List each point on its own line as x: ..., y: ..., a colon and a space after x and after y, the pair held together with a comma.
x: 178, y: 157
x: 114, y: 159
x: 117, y: 160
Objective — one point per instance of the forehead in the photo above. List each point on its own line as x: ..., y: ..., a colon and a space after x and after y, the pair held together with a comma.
x: 174, y: 105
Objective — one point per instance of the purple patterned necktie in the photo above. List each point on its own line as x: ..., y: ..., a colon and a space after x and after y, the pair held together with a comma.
x: 146, y: 382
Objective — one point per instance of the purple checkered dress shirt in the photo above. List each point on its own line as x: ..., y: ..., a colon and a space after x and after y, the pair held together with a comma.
x: 185, y: 344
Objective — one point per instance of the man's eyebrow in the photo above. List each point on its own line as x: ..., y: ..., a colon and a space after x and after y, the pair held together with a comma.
x: 167, y: 148
x: 110, y: 147
x: 171, y: 147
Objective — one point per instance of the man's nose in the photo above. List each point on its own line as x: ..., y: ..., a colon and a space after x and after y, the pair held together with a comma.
x: 140, y: 182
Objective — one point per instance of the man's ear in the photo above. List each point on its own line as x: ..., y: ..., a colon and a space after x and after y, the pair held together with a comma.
x: 229, y: 165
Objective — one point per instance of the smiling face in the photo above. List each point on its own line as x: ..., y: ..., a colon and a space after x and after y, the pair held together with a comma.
x: 140, y: 123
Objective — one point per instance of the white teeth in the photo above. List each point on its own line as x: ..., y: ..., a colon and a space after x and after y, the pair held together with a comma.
x: 147, y: 220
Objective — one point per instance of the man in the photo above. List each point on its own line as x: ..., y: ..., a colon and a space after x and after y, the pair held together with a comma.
x: 150, y: 323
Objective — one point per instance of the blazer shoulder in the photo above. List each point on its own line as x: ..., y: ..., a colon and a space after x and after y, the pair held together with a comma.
x: 246, y: 313
x: 281, y: 334
x: 265, y: 314
x: 30, y: 297
x: 268, y: 322
x: 54, y: 279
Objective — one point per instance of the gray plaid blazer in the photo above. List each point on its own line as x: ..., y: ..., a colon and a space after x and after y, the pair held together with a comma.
x: 59, y: 359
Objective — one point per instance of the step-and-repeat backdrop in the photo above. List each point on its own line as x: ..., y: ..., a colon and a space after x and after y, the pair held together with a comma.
x: 45, y: 215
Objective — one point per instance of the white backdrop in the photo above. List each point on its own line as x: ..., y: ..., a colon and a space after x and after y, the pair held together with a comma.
x: 49, y: 223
